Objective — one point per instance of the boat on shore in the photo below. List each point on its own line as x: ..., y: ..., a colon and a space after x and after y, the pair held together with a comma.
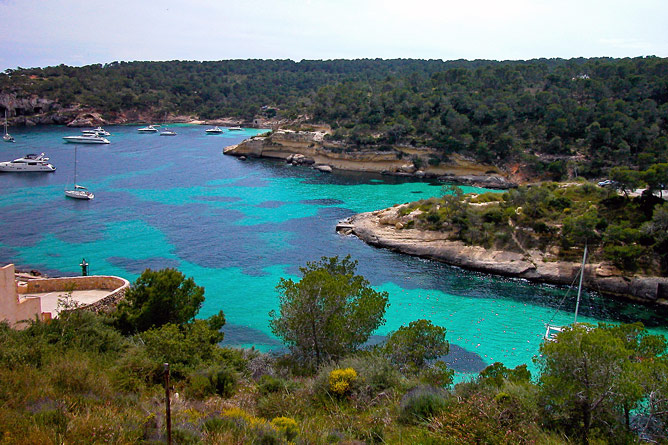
x: 149, y: 129
x: 28, y: 163
x: 214, y: 130
x: 87, y: 139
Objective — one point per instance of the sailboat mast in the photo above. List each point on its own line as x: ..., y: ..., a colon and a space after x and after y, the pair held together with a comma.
x: 582, y: 271
x: 75, y: 166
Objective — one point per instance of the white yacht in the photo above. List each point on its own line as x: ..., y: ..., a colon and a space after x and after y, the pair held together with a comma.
x: 99, y: 131
x: 149, y: 129
x: 167, y: 132
x: 237, y: 128
x: 214, y: 130
x: 28, y: 163
x: 87, y: 139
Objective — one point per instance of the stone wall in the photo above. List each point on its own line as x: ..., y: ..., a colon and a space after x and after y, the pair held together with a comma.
x: 116, y: 285
x: 67, y: 284
x: 108, y: 303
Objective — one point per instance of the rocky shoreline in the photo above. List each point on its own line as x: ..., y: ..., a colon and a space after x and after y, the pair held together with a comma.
x: 34, y: 110
x: 380, y: 229
x: 314, y: 149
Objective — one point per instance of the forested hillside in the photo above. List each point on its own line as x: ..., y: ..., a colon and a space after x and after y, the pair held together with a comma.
x: 556, y: 117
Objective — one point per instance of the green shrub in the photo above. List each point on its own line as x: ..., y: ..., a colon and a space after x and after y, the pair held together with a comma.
x: 205, y: 383
x: 199, y: 386
x: 53, y: 419
x: 135, y: 371
x: 216, y: 425
x: 224, y: 381
x: 421, y: 404
x: 278, y: 404
x: 270, y: 384
x: 437, y: 374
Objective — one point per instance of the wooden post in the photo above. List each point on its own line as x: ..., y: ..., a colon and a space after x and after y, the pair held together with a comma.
x: 168, y: 414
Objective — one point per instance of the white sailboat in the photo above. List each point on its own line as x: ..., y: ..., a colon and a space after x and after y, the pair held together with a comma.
x: 7, y: 137
x: 78, y: 191
x: 552, y: 331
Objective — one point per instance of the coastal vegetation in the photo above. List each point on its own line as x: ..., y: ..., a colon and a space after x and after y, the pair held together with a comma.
x: 555, y: 218
x: 77, y: 379
x: 551, y: 118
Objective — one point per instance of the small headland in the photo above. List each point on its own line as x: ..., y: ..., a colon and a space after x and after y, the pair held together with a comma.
x: 394, y: 229
x: 314, y: 148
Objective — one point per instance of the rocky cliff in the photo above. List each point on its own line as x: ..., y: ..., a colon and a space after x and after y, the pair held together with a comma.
x: 313, y: 148
x: 34, y: 110
x: 384, y: 228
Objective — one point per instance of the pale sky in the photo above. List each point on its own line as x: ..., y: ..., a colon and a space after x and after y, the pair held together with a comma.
x: 39, y: 33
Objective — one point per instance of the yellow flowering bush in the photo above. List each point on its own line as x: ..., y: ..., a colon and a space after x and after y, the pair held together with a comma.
x: 286, y: 426
x: 341, y: 379
x: 240, y: 414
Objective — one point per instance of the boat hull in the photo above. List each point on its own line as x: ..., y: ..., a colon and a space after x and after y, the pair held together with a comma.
x: 79, y: 194
x: 85, y: 140
x: 4, y: 167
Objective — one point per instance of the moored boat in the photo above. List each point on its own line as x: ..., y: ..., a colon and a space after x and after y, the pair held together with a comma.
x: 237, y: 128
x: 87, y: 139
x: 28, y: 163
x: 149, y: 129
x: 99, y: 131
x: 78, y: 191
x: 214, y: 130
x: 7, y: 137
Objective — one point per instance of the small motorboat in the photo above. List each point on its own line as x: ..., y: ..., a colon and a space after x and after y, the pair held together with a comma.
x: 87, y: 139
x: 167, y: 132
x: 214, y: 130
x: 99, y: 131
x: 149, y: 129
x: 237, y: 128
x: 28, y: 163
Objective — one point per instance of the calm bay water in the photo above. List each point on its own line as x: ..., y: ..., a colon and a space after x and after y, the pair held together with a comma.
x: 237, y: 226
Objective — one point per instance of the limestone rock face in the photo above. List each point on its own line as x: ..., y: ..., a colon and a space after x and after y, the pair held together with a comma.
x: 493, y: 181
x: 323, y: 168
x: 87, y: 120
x: 384, y: 228
x: 313, y: 148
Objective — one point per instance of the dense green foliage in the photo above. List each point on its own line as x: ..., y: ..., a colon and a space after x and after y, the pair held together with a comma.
x: 76, y: 379
x: 329, y: 313
x: 159, y: 297
x: 552, y: 217
x: 556, y: 116
x: 65, y: 385
x: 417, y: 343
x: 592, y: 378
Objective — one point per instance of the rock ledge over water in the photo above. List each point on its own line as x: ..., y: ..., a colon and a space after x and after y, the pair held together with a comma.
x: 382, y: 229
x: 313, y: 148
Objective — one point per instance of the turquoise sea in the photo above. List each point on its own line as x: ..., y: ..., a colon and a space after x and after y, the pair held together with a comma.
x: 237, y: 226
